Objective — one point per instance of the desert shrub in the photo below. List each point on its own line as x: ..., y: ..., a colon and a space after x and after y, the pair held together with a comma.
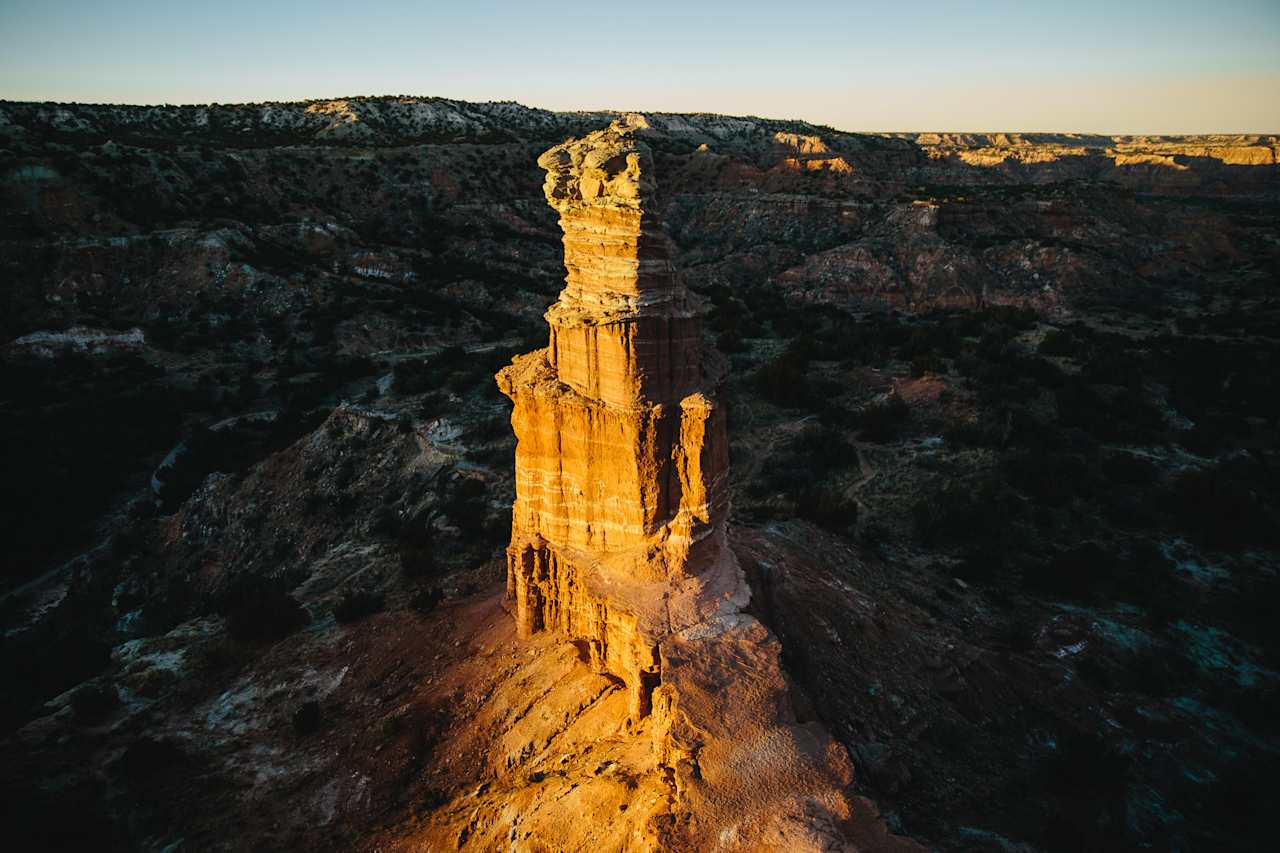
x: 883, y: 420
x: 830, y: 335
x: 784, y: 381
x: 1084, y: 805
x: 1052, y: 478
x: 1237, y: 800
x: 220, y: 655
x: 827, y: 507
x: 1138, y: 418
x: 415, y: 544
x: 491, y: 429
x: 1077, y: 572
x: 1132, y: 510
x: 979, y: 563
x: 1143, y: 569
x: 963, y: 510
x: 147, y: 757
x: 1129, y: 469
x: 259, y: 610
x: 314, y: 503
x: 1254, y: 615
x: 464, y: 504
x: 1114, y: 365
x: 731, y: 342
x: 306, y: 717
x: 1019, y: 632
x: 822, y: 447
x: 426, y: 600
x: 1197, y: 368
x: 1206, y: 437
x: 385, y: 522
x: 450, y: 357
x: 932, y: 342
x: 497, y: 456
x: 413, y: 377
x: 1098, y: 670
x: 986, y: 430
x: 924, y: 364
x: 996, y: 347
x: 1189, y: 325
x: 461, y: 381
x: 781, y: 473
x: 1059, y: 342
x: 418, y: 376
x: 1016, y: 317
x: 94, y: 701
x: 1041, y: 371
x: 432, y: 799
x: 422, y: 727
x: 1258, y: 707
x: 46, y: 441
x: 34, y: 673
x: 1083, y: 761
x: 1109, y: 414
x: 345, y: 473
x: 1157, y: 670
x: 800, y: 469
x: 433, y: 404
x: 1220, y: 507
x: 40, y: 818
x: 356, y: 604
x: 1010, y: 377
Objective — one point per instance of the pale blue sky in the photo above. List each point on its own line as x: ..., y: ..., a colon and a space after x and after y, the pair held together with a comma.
x: 1119, y: 67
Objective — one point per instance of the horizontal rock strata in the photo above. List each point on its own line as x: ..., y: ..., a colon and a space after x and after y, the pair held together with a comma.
x: 619, y: 533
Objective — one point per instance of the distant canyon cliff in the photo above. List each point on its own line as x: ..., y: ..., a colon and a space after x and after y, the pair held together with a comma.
x: 128, y: 211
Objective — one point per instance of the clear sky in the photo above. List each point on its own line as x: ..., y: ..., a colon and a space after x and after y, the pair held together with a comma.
x: 1111, y: 67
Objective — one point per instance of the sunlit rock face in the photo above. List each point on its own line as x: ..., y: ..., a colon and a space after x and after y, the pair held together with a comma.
x: 625, y: 329
x: 622, y: 461
x: 619, y: 543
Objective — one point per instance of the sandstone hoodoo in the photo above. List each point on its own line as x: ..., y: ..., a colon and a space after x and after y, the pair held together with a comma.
x: 621, y: 486
x: 619, y: 527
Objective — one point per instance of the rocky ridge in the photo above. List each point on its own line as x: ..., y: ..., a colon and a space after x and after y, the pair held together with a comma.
x: 138, y: 211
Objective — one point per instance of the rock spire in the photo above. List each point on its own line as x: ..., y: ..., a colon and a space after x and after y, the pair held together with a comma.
x: 621, y: 466
x: 619, y: 530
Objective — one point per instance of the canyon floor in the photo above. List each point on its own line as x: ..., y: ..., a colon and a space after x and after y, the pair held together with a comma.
x: 1002, y: 419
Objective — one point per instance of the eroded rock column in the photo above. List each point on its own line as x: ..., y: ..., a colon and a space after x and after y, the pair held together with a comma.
x: 621, y: 464
x: 619, y: 543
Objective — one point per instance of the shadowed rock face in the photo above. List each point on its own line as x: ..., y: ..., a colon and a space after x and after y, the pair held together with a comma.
x: 619, y: 533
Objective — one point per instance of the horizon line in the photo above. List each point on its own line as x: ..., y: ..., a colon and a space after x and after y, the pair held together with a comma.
x: 614, y: 111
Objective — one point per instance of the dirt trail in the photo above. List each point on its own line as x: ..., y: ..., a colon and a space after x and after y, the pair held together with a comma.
x: 867, y: 474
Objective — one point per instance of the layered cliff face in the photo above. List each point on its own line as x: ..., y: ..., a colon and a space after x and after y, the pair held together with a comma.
x: 621, y: 461
x: 618, y: 531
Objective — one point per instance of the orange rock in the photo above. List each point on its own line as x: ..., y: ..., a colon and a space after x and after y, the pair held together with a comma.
x: 621, y: 465
x: 619, y: 543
